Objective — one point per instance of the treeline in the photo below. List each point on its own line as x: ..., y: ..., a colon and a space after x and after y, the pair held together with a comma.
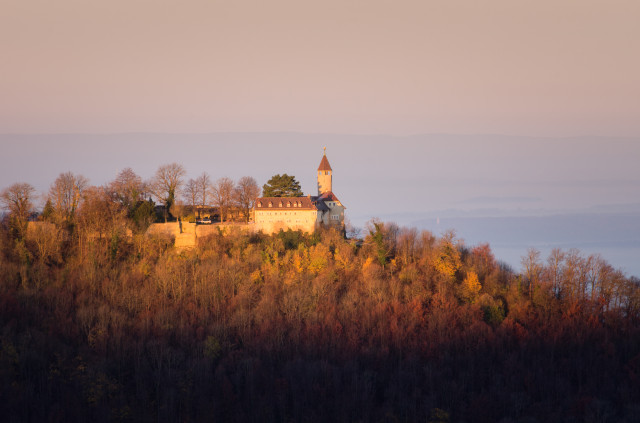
x: 71, y: 202
x: 100, y: 322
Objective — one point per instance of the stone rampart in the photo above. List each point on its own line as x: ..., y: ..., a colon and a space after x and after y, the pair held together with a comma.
x: 187, y: 234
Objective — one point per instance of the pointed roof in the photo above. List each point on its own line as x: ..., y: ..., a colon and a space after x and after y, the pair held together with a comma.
x: 324, y: 163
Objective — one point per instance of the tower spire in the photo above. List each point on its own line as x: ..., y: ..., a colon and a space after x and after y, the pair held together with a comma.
x: 324, y: 175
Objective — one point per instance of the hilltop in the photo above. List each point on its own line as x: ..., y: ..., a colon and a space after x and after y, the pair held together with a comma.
x: 399, y: 325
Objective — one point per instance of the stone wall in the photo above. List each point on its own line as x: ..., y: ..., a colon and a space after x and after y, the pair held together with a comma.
x: 187, y: 234
x: 270, y: 221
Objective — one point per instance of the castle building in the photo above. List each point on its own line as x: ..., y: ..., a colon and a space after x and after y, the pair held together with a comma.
x: 302, y: 213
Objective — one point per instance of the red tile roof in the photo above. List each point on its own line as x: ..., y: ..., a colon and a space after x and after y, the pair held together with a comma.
x: 280, y: 203
x: 324, y: 164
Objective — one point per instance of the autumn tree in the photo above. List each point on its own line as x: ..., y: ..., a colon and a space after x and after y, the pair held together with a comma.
x: 47, y: 239
x: 481, y: 259
x: 99, y: 215
x: 166, y: 183
x: 130, y: 192
x: 532, y: 269
x: 222, y: 194
x: 245, y: 195
x: 382, y: 240
x: 128, y: 189
x: 18, y: 200
x: 553, y: 270
x: 573, y: 275
x: 470, y: 287
x: 48, y: 211
x: 143, y: 215
x: 66, y: 195
x: 447, y: 259
x: 282, y: 186
x: 407, y: 241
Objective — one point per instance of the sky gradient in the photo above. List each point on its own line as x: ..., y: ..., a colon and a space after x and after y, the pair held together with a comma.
x: 536, y: 68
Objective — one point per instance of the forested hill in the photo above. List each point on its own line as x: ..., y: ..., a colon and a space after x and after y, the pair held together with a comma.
x: 399, y: 326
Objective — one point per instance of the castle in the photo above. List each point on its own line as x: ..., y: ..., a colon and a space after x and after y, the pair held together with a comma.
x: 302, y: 213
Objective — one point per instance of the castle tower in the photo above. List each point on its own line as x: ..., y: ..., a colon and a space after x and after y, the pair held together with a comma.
x: 324, y: 175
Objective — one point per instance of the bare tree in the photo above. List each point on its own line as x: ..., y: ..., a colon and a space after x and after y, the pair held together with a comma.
x: 204, y: 185
x: 554, y: 270
x: 66, y: 195
x: 127, y: 189
x: 48, y: 239
x: 99, y: 215
x: 179, y: 210
x: 245, y: 194
x: 222, y: 193
x: 166, y: 183
x: 18, y: 200
x: 407, y: 239
x: 571, y: 273
x: 532, y: 268
x: 191, y: 194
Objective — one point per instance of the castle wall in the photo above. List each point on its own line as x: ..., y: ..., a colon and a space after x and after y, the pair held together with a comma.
x: 270, y: 221
x: 186, y: 234
x: 335, y: 216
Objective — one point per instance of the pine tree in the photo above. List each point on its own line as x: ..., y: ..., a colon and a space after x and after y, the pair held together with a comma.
x: 282, y: 186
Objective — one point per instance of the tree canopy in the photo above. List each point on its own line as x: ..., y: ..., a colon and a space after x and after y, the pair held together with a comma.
x: 166, y: 182
x: 245, y: 194
x: 282, y: 186
x: 18, y: 199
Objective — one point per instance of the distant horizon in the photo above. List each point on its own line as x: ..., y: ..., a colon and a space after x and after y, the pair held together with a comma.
x: 467, y: 172
x: 399, y: 178
x: 423, y: 105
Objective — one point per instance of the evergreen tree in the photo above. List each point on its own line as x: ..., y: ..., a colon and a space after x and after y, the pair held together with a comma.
x: 47, y: 212
x: 282, y: 186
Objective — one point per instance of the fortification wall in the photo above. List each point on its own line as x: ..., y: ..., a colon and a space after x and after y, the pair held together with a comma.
x: 187, y: 234
x: 225, y: 228
x: 169, y: 228
x: 270, y: 221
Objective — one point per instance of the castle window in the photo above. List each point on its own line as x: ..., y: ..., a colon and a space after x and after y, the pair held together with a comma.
x: 259, y: 204
x: 326, y: 172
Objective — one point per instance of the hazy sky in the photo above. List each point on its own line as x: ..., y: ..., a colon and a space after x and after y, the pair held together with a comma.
x: 239, y: 87
x: 374, y: 175
x: 543, y: 67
